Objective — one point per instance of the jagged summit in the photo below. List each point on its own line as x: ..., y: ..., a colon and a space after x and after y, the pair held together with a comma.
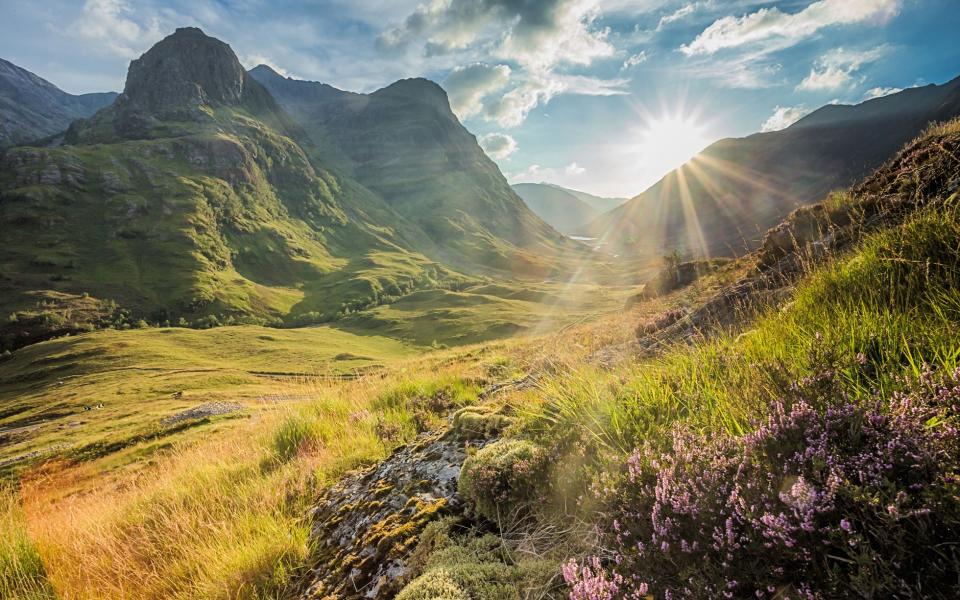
x: 178, y: 79
x: 187, y: 68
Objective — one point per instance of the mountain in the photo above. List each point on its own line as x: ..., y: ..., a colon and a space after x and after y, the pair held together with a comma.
x: 557, y: 206
x: 32, y: 108
x: 599, y: 203
x: 405, y: 144
x: 190, y: 198
x: 724, y: 199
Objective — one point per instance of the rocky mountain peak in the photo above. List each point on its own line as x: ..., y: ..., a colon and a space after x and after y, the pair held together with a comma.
x: 186, y: 69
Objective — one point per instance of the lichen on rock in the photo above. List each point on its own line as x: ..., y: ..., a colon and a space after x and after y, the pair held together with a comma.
x: 366, y: 526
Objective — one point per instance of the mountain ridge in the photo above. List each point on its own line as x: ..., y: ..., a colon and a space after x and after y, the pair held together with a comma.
x: 32, y: 108
x: 404, y: 143
x: 723, y: 200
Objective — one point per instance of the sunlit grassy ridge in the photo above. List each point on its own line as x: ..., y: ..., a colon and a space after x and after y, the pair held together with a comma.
x: 222, y: 516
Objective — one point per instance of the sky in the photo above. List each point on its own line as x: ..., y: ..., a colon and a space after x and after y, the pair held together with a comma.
x: 604, y: 96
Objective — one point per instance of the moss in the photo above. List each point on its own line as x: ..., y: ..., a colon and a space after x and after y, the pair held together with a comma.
x: 451, y: 566
x: 479, y: 423
x: 501, y: 479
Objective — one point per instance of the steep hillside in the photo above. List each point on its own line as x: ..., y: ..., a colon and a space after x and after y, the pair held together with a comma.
x: 32, y: 108
x: 405, y: 144
x: 559, y: 207
x: 188, y: 199
x: 723, y: 200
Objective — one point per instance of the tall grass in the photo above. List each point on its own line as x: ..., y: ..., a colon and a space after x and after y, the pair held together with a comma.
x: 222, y: 519
x: 894, y: 301
x: 22, y: 575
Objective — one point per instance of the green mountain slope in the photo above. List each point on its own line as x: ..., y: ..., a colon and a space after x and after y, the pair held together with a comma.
x: 405, y: 144
x: 599, y: 203
x: 189, y: 199
x: 723, y: 200
x: 555, y: 205
x: 32, y: 108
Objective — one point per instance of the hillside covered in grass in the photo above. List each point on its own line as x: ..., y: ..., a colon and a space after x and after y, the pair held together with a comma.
x: 197, y: 200
x: 785, y: 426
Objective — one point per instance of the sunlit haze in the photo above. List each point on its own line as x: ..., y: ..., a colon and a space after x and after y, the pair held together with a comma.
x: 668, y: 142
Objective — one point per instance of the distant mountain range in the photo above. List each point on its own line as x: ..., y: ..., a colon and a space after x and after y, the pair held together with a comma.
x: 723, y: 200
x: 204, y: 195
x: 567, y: 210
x: 32, y: 108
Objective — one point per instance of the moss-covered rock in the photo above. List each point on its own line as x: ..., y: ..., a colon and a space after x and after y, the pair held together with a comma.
x: 469, y: 566
x: 501, y: 479
x: 366, y: 526
x: 479, y: 423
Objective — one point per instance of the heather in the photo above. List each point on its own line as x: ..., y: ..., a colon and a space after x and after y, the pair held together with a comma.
x: 828, y: 497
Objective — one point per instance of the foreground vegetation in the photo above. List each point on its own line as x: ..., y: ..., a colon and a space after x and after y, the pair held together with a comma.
x: 807, y: 450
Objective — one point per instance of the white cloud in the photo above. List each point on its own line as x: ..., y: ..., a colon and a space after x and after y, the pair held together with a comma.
x: 634, y: 60
x: 110, y: 25
x: 512, y: 108
x: 880, y: 92
x: 560, y: 176
x: 783, y: 117
x: 498, y: 145
x: 769, y: 24
x: 677, y: 15
x: 836, y: 69
x: 538, y: 39
x: 538, y: 34
x: 467, y: 86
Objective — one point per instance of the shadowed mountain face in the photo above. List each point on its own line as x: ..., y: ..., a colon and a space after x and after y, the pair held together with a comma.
x: 405, y: 144
x: 724, y: 199
x: 557, y: 206
x: 32, y: 108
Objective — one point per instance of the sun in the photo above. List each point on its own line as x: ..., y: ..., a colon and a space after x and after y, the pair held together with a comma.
x: 669, y: 141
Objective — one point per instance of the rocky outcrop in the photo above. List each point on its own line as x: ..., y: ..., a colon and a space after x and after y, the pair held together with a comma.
x: 366, y: 526
x: 179, y: 79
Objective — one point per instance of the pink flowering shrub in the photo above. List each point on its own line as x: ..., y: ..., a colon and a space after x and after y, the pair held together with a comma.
x: 825, y: 499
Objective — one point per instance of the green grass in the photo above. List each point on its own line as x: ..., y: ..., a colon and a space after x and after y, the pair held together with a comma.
x: 895, y: 300
x: 22, y: 574
x: 487, y: 312
x: 142, y: 376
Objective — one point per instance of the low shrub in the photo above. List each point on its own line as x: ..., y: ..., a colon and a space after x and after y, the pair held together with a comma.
x: 827, y: 498
x: 501, y: 479
x: 479, y: 423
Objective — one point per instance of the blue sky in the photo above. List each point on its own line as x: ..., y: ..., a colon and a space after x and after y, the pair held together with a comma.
x: 575, y: 92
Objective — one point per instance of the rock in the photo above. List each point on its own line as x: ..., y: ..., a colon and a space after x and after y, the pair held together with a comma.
x: 209, y: 409
x: 365, y: 526
x: 50, y: 175
x: 111, y: 182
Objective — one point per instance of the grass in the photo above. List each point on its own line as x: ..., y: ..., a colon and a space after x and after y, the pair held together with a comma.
x: 220, y: 518
x: 142, y: 376
x: 217, y: 510
x: 22, y: 574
